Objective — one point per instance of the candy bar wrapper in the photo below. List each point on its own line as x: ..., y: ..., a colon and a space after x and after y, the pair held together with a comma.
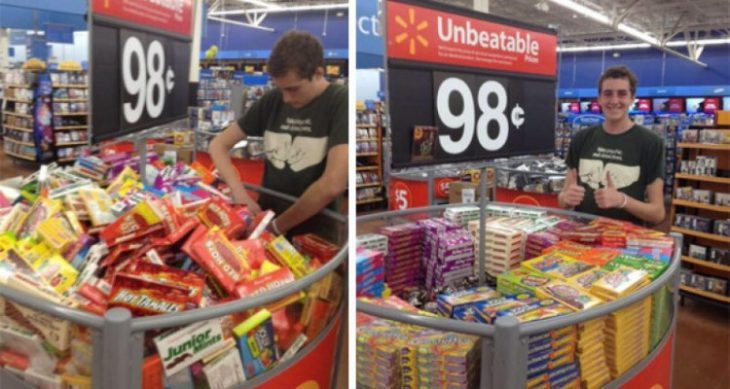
x: 315, y: 246
x: 288, y: 256
x: 260, y: 223
x: 152, y: 373
x: 172, y: 276
x: 569, y: 294
x: 58, y: 273
x: 218, y: 213
x: 143, y: 297
x: 54, y: 232
x: 180, y: 349
x: 11, y: 359
x: 653, y: 268
x: 256, y: 343
x: 264, y: 283
x: 139, y: 219
x: 216, y: 254
x: 449, y: 302
x: 253, y: 251
x: 98, y: 205
x: 41, y: 210
x: 55, y: 332
x: 619, y: 282
x: 225, y: 371
x: 316, y: 312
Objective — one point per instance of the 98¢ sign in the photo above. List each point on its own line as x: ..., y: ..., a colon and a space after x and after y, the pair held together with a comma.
x: 148, y: 77
x: 487, y: 115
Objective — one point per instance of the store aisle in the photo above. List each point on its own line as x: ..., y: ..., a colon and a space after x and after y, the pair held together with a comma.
x: 10, y: 167
x: 702, y: 349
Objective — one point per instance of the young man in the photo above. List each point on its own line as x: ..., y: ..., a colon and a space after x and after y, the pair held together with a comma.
x: 304, y: 125
x: 616, y: 169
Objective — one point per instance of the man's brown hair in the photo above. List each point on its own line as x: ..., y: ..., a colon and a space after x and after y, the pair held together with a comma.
x: 619, y: 72
x: 296, y: 51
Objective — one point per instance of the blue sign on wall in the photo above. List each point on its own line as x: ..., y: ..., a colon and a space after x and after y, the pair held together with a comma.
x: 59, y: 33
x: 370, y: 43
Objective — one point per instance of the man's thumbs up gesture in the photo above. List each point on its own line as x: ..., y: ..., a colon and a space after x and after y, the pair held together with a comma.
x: 610, y: 197
x: 572, y: 193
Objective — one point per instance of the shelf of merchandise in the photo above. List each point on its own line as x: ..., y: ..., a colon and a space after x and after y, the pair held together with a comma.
x: 370, y: 201
x: 692, y: 177
x: 370, y: 185
x: 693, y: 204
x: 71, y: 114
x: 23, y: 115
x: 704, y: 146
x: 707, y: 264
x: 709, y: 295
x: 66, y: 114
x: 703, y: 235
x: 9, y: 111
x: 710, y: 241
x: 17, y: 128
x: 21, y: 156
x: 11, y: 140
x: 372, y: 121
x: 67, y: 144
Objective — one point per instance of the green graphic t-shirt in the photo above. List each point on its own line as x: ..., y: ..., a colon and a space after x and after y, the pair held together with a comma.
x: 296, y: 141
x: 634, y: 159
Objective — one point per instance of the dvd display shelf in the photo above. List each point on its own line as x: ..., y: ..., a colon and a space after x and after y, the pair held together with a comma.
x: 70, y: 114
x: 369, y: 148
x: 701, y: 212
x: 19, y: 115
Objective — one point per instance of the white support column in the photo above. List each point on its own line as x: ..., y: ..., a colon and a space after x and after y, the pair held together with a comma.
x: 481, y: 6
x: 4, y: 45
x: 197, y: 37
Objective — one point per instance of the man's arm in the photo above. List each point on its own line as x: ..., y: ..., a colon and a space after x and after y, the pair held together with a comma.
x: 219, y: 150
x: 331, y: 184
x: 652, y: 210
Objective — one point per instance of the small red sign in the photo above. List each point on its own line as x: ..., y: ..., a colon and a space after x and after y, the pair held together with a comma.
x: 171, y: 16
x: 676, y: 105
x: 712, y: 104
x: 429, y: 35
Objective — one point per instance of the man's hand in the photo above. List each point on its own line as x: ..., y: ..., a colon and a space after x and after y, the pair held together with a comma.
x: 572, y: 193
x: 609, y: 197
x: 239, y: 196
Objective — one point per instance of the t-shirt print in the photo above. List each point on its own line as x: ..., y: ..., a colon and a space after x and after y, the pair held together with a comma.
x: 593, y: 173
x: 303, y: 152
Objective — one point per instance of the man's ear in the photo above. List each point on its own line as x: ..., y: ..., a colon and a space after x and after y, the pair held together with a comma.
x: 319, y: 72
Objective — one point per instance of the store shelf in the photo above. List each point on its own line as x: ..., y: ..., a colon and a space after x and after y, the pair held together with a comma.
x: 707, y: 264
x: 64, y: 160
x: 704, y: 146
x: 709, y: 295
x: 18, y: 100
x: 366, y: 168
x: 709, y: 207
x: 367, y: 154
x: 71, y: 114
x: 23, y: 115
x: 67, y: 144
x: 367, y: 139
x: 20, y: 142
x: 24, y: 86
x: 79, y: 127
x: 371, y: 185
x: 370, y: 201
x: 69, y: 100
x: 21, y: 156
x: 704, y: 235
x: 717, y: 180
x: 17, y: 128
x: 367, y: 126
x: 79, y: 86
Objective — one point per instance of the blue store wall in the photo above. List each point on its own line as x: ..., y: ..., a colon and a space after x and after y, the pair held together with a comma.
x: 254, y: 43
x: 35, y: 14
x: 652, y: 67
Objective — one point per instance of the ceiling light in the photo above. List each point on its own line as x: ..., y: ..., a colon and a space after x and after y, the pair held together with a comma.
x: 701, y: 42
x: 640, y: 35
x: 297, y: 8
x: 583, y: 10
x: 603, y: 47
x: 261, y: 3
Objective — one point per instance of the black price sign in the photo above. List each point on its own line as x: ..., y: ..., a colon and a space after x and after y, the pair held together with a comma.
x: 139, y: 77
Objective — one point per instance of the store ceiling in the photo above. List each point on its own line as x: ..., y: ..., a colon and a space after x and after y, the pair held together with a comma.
x: 665, y: 19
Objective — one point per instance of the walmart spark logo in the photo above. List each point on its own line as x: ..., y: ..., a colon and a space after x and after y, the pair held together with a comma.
x: 402, y: 37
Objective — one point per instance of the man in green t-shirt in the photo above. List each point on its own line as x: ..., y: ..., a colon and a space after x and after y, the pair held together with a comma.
x: 617, y: 168
x: 304, y: 125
